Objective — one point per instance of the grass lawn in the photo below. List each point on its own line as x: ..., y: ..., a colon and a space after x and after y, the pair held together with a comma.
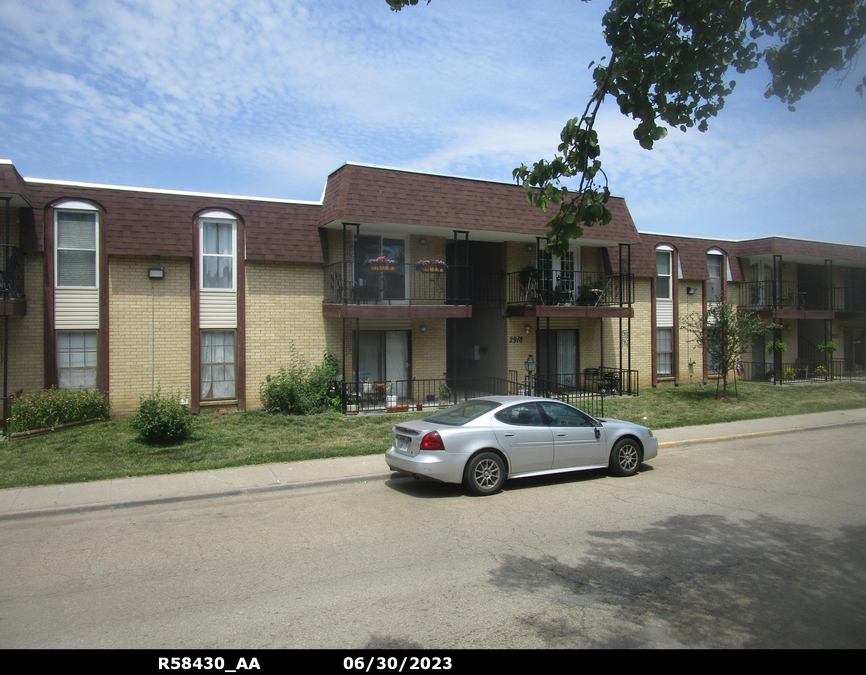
x: 111, y: 450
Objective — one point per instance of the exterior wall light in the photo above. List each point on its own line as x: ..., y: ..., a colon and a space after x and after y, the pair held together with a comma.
x: 156, y: 273
x: 527, y: 329
x: 530, y: 367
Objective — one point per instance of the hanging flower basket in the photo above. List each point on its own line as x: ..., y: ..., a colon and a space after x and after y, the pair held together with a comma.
x: 431, y: 266
x: 382, y: 264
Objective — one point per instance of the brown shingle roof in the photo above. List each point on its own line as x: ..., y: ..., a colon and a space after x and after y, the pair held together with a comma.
x: 156, y: 223
x: 357, y: 193
x: 817, y: 250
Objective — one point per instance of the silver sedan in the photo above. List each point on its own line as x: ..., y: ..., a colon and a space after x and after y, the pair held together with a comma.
x: 483, y: 441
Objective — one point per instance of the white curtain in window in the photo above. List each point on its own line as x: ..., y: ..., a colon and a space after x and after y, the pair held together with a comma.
x: 217, y: 255
x: 217, y: 364
x: 566, y: 355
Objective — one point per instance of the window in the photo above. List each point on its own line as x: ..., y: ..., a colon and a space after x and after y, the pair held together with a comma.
x: 375, y: 286
x: 559, y: 277
x: 524, y: 415
x: 217, y: 364
x: 714, y: 272
x: 76, y: 249
x: 559, y: 415
x: 218, y: 254
x: 664, y: 352
x: 663, y: 271
x: 76, y: 360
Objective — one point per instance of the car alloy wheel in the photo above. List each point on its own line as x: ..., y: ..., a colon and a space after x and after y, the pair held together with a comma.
x: 485, y: 473
x: 625, y: 457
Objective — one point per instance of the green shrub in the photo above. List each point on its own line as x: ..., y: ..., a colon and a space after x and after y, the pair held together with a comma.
x: 162, y: 420
x: 47, y: 408
x: 300, y: 389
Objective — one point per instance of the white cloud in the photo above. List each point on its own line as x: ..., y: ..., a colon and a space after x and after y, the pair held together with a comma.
x: 267, y: 97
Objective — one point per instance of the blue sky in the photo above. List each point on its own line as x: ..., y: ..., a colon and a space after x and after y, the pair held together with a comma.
x: 266, y: 98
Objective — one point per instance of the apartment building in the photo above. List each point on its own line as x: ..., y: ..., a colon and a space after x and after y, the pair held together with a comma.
x: 424, y: 287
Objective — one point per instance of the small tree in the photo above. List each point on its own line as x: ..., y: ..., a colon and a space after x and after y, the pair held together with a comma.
x: 724, y: 334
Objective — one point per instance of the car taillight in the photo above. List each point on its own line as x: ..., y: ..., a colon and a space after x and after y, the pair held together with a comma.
x: 432, y: 441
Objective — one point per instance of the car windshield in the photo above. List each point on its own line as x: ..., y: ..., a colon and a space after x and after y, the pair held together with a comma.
x: 462, y: 412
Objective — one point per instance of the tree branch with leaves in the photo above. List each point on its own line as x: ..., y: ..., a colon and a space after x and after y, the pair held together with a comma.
x: 668, y: 68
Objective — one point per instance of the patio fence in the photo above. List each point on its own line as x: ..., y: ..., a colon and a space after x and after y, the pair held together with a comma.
x: 802, y: 370
x: 585, y: 391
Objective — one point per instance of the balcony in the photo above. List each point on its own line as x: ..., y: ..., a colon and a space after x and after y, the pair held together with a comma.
x: 551, y: 293
x: 792, y: 298
x: 396, y: 291
x: 12, y: 282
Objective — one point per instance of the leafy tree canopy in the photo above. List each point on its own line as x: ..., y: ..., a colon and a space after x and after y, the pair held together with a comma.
x: 668, y: 67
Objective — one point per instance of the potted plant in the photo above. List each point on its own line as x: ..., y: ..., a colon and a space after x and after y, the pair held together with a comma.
x: 444, y: 394
x: 777, y: 347
x: 382, y: 264
x: 431, y: 266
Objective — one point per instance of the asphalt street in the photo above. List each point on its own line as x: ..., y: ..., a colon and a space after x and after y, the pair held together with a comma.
x: 755, y: 539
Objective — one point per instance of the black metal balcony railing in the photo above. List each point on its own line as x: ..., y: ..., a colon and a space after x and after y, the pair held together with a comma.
x: 11, y: 272
x: 796, y: 295
x: 360, y: 285
x: 586, y: 289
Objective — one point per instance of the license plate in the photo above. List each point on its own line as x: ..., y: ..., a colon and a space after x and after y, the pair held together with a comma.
x: 402, y: 444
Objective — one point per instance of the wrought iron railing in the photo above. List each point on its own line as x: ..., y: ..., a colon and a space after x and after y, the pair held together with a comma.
x: 802, y: 370
x: 580, y: 289
x: 791, y: 295
x: 585, y: 390
x: 11, y: 272
x: 405, y: 395
x: 347, y: 283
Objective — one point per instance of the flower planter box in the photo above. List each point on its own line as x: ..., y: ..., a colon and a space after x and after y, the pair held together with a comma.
x: 383, y: 268
x: 431, y: 270
x: 397, y: 408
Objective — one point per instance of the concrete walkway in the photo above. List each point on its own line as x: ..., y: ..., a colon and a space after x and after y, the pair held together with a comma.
x: 121, y: 492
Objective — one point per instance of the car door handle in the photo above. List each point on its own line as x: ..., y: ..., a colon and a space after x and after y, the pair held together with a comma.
x: 561, y: 434
x: 508, y: 434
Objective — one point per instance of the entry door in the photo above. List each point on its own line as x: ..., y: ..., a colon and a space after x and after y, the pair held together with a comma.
x: 383, y: 355
x: 558, y: 357
x: 855, y: 350
x: 559, y: 277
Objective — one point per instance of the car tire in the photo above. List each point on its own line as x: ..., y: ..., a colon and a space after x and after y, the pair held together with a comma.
x: 484, y: 474
x: 625, y: 457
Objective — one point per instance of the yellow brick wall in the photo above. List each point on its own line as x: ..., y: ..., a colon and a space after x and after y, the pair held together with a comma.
x: 519, y: 345
x: 641, y: 333
x: 284, y: 308
x: 432, y: 249
x: 144, y: 314
x: 517, y: 257
x: 26, y: 333
x: 429, y: 349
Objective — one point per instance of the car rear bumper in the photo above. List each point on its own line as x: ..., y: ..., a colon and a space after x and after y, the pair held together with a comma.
x: 438, y: 465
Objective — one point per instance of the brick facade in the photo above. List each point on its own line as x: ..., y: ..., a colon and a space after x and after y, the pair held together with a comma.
x: 286, y: 298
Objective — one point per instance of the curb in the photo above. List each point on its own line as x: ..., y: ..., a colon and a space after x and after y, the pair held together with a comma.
x: 756, y: 434
x: 106, y: 506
